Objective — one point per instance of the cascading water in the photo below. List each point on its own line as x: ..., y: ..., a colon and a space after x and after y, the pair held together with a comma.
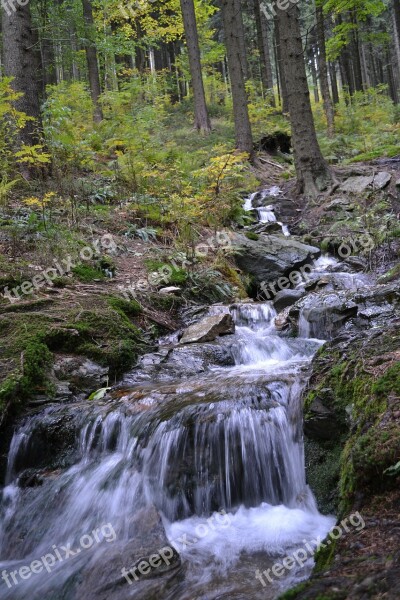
x: 266, y: 214
x: 230, y: 439
x: 227, y: 440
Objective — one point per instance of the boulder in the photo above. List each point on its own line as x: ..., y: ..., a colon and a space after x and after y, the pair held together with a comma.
x: 286, y: 298
x: 382, y: 180
x: 357, y: 185
x: 208, y: 329
x: 271, y: 257
x: 102, y: 577
x: 83, y: 374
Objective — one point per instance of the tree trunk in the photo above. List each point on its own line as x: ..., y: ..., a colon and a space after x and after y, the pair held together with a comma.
x: 390, y: 79
x: 21, y: 61
x: 356, y: 58
x: 265, y: 56
x: 244, y: 139
x: 396, y: 31
x: 312, y: 171
x: 202, y: 120
x: 91, y: 59
x: 334, y: 83
x: 280, y: 66
x: 240, y: 38
x: 323, y: 71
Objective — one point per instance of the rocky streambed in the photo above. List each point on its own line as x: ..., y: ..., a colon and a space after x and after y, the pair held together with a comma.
x: 191, y: 477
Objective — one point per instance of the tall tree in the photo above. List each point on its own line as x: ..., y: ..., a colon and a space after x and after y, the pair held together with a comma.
x: 265, y: 55
x: 202, y: 120
x: 240, y: 37
x: 91, y: 59
x: 280, y: 68
x: 21, y: 61
x: 243, y: 135
x: 312, y: 171
x: 323, y: 70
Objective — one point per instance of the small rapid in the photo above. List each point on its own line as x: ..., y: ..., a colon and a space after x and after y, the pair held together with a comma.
x: 218, y: 454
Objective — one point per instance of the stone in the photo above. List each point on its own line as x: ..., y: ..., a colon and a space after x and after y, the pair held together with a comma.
x: 382, y: 180
x: 208, y: 329
x: 102, y: 576
x: 167, y: 291
x: 338, y: 204
x: 286, y: 298
x: 357, y: 185
x: 398, y: 183
x: 83, y: 374
x: 268, y: 228
x: 271, y: 257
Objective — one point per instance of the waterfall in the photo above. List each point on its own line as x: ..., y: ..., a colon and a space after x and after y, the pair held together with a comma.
x: 266, y: 214
x: 228, y: 439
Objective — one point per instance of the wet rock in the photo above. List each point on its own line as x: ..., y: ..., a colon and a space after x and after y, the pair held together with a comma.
x: 324, y: 314
x: 320, y: 422
x: 271, y: 257
x: 83, y: 374
x: 286, y: 298
x: 382, y: 180
x: 103, y: 578
x: 181, y: 361
x: 357, y: 185
x: 208, y: 329
x: 268, y: 228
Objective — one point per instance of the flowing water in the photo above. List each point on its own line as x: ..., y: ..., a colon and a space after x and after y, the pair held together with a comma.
x: 266, y: 214
x: 219, y: 454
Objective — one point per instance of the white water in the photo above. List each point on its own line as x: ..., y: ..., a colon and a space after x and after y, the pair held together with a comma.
x: 266, y: 214
x: 220, y: 455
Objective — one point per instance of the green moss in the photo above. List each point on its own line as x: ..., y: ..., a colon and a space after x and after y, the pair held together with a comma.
x: 252, y: 236
x: 106, y: 335
x: 293, y: 593
x: 130, y: 308
x: 86, y: 273
x: 324, y: 556
x: 30, y: 377
x: 166, y: 302
x: 177, y: 276
x: 389, y: 382
x: 391, y: 275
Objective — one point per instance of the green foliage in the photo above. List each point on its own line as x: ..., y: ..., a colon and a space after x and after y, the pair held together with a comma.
x: 177, y: 277
x: 365, y: 127
x: 86, y: 273
x: 130, y: 308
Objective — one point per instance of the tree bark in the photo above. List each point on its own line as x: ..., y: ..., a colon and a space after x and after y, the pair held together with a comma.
x: 280, y: 67
x: 396, y: 32
x: 313, y: 174
x: 265, y: 55
x: 91, y: 59
x: 323, y: 71
x: 243, y: 135
x: 334, y: 83
x: 21, y: 60
x: 202, y: 120
x: 240, y: 37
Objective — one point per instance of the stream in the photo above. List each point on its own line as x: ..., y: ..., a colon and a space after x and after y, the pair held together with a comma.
x: 213, y: 446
